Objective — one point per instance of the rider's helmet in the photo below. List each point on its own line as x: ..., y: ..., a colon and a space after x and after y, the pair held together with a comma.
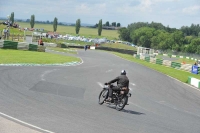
x: 123, y: 72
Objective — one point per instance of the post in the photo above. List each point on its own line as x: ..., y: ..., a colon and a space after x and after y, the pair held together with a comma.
x: 12, y: 37
x: 18, y: 37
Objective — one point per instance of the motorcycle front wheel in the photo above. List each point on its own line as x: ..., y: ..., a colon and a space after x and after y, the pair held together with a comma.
x: 103, y: 96
x: 121, y: 103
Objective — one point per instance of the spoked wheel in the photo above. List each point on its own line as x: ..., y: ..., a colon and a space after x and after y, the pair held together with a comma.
x: 103, y: 96
x: 121, y: 103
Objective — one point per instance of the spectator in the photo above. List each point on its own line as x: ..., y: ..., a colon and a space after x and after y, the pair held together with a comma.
x: 8, y: 32
x: 40, y: 42
x: 4, y: 33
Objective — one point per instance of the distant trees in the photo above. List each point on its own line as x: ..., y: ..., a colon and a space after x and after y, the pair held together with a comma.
x: 107, y: 23
x: 118, y: 24
x: 55, y: 23
x: 12, y: 18
x: 32, y: 21
x: 114, y: 24
x: 78, y: 25
x: 100, y: 27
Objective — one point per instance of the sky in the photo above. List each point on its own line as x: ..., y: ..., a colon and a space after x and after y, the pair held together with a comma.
x: 172, y: 13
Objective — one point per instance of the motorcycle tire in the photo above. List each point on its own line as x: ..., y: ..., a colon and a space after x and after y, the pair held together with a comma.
x: 104, y: 95
x: 124, y: 102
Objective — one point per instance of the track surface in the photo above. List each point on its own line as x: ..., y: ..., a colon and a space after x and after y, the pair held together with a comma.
x: 65, y: 99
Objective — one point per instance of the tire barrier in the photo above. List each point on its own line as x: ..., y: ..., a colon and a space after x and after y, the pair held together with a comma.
x: 167, y: 63
x: 159, y: 61
x: 176, y: 65
x: 22, y: 46
x: 10, y: 45
x: 1, y: 43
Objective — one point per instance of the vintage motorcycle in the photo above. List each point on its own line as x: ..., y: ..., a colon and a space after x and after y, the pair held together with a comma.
x: 120, y: 98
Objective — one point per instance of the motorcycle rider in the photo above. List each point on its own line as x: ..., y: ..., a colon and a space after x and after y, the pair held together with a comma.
x: 122, y: 84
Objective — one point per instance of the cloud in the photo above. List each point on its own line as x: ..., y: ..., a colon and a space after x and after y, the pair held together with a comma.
x: 192, y: 10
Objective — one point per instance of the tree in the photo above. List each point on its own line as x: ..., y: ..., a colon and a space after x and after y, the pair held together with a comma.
x: 100, y: 27
x: 55, y: 23
x: 12, y: 18
x: 78, y: 25
x: 114, y: 24
x: 124, y: 34
x: 32, y: 21
x: 118, y: 24
x: 107, y: 23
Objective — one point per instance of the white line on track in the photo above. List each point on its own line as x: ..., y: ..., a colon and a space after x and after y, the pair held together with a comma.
x: 46, y: 72
x: 109, y: 71
x: 100, y: 84
x: 27, y: 124
x: 133, y: 84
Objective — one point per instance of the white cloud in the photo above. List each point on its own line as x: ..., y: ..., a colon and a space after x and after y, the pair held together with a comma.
x: 192, y: 10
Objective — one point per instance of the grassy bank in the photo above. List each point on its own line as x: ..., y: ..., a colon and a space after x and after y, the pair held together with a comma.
x: 178, y: 74
x: 18, y: 56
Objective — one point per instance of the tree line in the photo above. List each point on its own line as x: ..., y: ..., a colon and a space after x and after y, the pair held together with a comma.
x: 157, y: 36
x: 55, y: 23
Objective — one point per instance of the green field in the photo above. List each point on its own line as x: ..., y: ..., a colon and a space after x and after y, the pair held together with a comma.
x: 18, y: 56
x: 84, y: 31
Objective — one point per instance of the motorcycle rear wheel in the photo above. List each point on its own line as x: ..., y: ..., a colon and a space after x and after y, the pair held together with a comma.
x: 103, y: 96
x: 122, y: 103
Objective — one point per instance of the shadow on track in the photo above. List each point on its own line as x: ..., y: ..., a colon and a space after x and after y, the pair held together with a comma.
x: 128, y: 111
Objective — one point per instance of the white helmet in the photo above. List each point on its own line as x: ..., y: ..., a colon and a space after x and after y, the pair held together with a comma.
x: 123, y: 72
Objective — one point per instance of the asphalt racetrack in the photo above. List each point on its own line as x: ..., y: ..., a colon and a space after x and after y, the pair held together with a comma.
x: 64, y: 99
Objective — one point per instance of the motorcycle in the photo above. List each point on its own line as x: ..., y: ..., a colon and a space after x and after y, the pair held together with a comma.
x: 120, y: 98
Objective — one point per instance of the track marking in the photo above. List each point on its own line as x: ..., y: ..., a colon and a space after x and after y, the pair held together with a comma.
x: 133, y: 84
x: 109, y: 70
x: 46, y: 72
x: 25, y: 123
x: 100, y: 84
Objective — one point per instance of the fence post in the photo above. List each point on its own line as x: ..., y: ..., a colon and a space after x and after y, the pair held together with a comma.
x: 12, y: 37
x: 18, y: 37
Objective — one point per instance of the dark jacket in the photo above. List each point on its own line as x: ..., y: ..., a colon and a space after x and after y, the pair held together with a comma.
x: 122, y: 81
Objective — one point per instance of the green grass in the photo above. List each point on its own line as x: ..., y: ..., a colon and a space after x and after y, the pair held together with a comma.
x: 187, y: 61
x: 18, y: 56
x: 66, y: 50
x: 178, y: 74
x: 84, y: 31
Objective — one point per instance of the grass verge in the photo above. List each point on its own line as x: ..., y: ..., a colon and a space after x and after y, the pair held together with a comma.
x: 178, y: 74
x: 18, y: 56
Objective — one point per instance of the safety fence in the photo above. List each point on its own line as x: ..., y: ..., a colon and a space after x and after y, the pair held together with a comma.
x: 21, y: 46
